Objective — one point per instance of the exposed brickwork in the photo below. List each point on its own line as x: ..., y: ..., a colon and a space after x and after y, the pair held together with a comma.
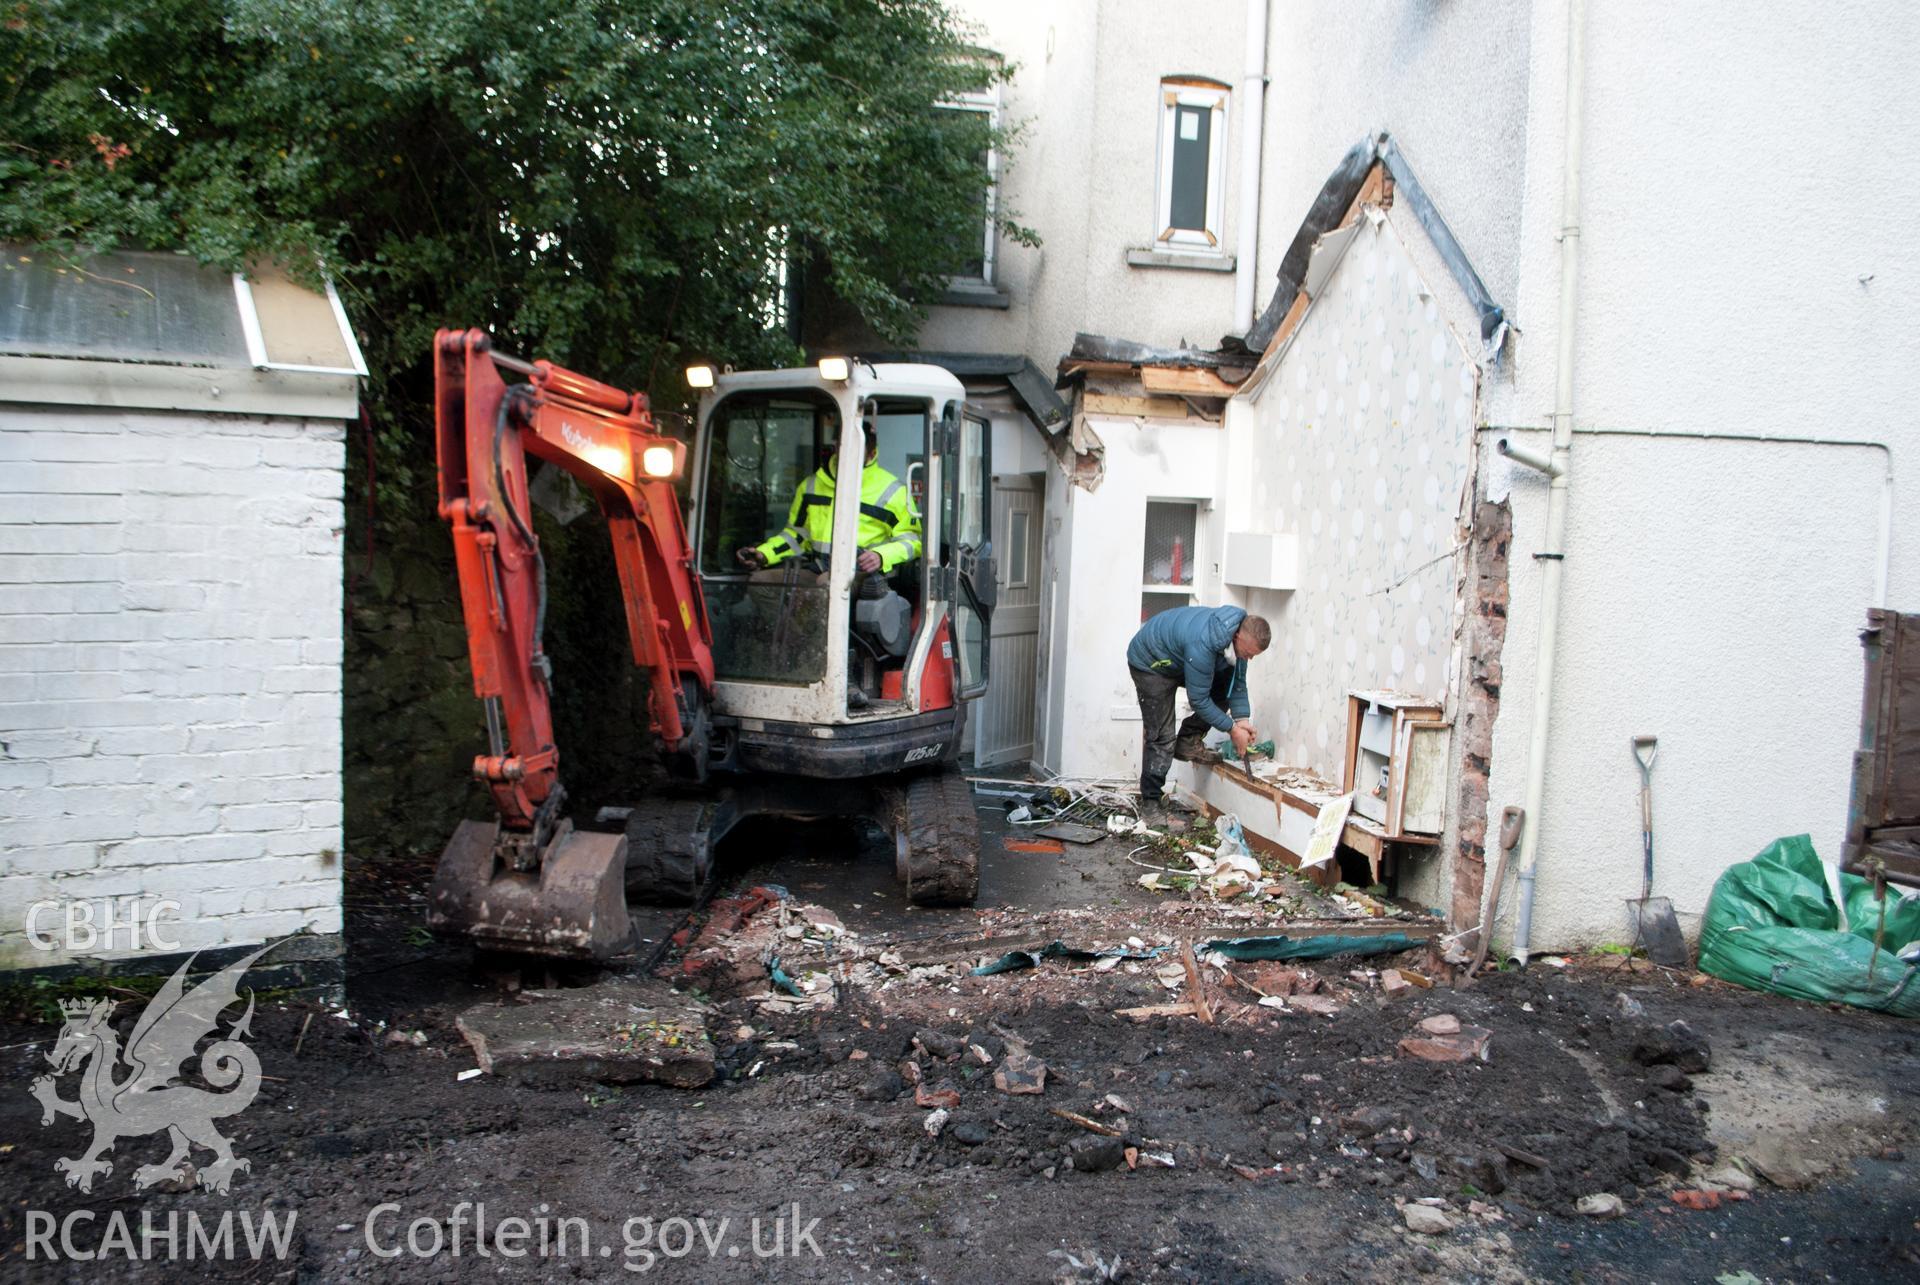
x: 1483, y: 638
x: 170, y: 662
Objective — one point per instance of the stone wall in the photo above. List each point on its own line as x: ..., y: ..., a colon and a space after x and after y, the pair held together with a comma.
x: 413, y: 722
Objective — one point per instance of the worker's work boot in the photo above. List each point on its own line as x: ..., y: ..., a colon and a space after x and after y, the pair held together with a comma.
x: 1194, y: 750
x: 1157, y: 816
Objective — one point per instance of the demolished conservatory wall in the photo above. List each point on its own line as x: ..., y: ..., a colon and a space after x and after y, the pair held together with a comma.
x: 1359, y: 445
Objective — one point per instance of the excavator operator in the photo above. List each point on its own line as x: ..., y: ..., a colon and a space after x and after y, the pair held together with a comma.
x: 889, y: 531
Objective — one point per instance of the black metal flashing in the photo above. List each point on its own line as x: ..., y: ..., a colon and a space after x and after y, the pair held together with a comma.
x: 1324, y: 215
x: 1103, y: 348
x: 1030, y: 388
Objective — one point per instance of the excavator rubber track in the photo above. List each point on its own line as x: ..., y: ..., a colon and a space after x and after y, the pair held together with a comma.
x: 937, y: 840
x: 670, y: 848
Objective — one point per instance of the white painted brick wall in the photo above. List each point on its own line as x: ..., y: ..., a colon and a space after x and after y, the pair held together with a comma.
x: 170, y: 653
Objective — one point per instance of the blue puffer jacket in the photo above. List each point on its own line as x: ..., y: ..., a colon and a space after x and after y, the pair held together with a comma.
x: 1193, y: 641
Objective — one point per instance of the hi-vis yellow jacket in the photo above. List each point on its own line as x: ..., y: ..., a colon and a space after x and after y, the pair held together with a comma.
x: 889, y: 523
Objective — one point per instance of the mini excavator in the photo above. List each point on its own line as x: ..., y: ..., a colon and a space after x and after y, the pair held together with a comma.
x: 806, y: 688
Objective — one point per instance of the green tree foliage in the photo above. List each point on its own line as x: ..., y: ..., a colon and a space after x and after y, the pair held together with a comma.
x: 610, y: 184
x: 606, y: 183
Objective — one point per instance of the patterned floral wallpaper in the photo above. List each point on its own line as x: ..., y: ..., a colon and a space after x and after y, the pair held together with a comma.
x: 1362, y: 445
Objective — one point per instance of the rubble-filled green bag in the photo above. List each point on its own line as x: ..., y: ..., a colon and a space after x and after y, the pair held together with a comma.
x: 1772, y: 924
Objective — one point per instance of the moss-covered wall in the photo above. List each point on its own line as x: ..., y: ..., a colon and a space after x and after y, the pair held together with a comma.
x: 412, y: 723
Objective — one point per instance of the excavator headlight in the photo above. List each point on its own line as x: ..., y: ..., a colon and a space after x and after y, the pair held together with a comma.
x: 657, y: 461
x: 835, y: 368
x: 700, y: 376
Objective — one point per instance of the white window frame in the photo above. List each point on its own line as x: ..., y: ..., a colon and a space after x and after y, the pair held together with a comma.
x: 1017, y: 578
x: 987, y: 103
x: 1175, y: 94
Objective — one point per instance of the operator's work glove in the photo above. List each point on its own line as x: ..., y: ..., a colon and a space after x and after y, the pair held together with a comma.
x: 752, y: 557
x: 868, y: 560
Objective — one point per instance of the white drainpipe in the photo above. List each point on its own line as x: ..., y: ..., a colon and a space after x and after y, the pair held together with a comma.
x: 1556, y: 469
x: 1252, y: 115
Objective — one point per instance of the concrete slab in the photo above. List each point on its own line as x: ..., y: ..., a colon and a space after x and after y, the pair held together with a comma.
x: 623, y: 1031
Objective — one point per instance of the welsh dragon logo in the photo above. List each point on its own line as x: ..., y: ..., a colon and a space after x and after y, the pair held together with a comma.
x: 149, y: 1096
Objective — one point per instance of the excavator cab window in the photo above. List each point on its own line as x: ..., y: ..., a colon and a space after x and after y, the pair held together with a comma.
x: 900, y: 434
x: 769, y: 624
x: 966, y: 549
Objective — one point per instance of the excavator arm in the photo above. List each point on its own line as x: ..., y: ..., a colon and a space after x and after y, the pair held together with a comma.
x: 485, y: 430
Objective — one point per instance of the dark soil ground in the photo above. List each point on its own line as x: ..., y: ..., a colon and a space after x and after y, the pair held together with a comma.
x: 1293, y: 1138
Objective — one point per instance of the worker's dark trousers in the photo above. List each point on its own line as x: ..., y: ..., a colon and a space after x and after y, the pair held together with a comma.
x: 1156, y: 693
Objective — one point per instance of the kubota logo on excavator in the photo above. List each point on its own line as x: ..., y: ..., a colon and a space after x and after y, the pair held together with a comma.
x: 608, y: 459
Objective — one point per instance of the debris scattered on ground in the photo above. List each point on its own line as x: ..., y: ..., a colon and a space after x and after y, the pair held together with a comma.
x: 1728, y: 1177
x: 943, y: 1094
x: 1785, y: 1164
x: 1465, y: 1045
x: 1020, y: 1072
x: 1426, y: 1220
x: 1072, y: 832
x: 619, y: 1032
x: 1603, y: 1204
x: 1096, y: 1154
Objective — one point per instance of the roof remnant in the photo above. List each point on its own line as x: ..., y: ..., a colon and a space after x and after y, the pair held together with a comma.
x: 1026, y: 381
x: 1198, y: 372
x: 1330, y: 208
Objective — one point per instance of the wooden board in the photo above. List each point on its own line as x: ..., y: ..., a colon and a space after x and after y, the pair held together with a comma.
x: 1423, y: 797
x: 1138, y: 407
x: 1185, y: 382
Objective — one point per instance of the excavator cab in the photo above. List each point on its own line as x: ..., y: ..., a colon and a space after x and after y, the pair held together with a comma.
x: 809, y: 639
x: 802, y: 634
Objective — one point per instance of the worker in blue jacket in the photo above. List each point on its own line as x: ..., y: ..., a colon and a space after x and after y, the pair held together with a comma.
x: 1205, y: 650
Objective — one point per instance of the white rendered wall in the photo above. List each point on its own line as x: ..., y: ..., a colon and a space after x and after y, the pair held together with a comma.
x: 1713, y: 597
x: 170, y: 653
x: 1713, y: 591
x: 1093, y: 716
x: 1448, y: 81
x: 1086, y: 87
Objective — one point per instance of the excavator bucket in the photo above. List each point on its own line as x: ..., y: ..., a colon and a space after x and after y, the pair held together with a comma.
x: 573, y: 907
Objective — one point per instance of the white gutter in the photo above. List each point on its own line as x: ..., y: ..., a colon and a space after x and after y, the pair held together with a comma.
x: 1252, y: 114
x: 1553, y: 550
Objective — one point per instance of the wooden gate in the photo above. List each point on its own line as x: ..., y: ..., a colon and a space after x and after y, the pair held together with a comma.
x: 1883, y: 818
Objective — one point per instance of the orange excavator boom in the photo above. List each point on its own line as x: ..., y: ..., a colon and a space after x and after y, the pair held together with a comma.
x: 605, y: 438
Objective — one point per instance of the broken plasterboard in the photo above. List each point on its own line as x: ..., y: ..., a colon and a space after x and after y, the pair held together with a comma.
x: 1327, y: 831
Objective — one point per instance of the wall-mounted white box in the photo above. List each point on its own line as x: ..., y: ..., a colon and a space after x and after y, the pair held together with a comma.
x: 1263, y: 561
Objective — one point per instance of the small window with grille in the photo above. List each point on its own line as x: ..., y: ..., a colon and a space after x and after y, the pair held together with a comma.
x: 1168, y: 558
